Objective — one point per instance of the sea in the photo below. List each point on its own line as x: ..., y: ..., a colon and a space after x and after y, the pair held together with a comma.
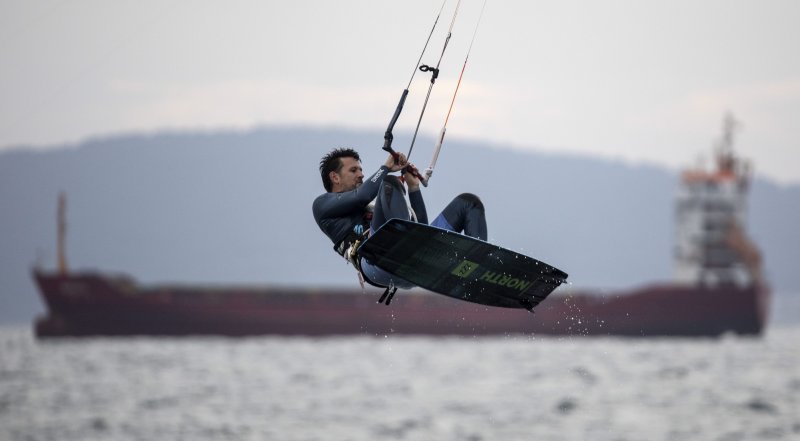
x: 393, y: 387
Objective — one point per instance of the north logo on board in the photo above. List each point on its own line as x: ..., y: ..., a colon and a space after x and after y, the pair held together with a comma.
x: 467, y: 267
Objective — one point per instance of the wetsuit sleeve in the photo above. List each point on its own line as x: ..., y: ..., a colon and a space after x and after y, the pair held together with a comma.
x: 418, y: 205
x: 349, y: 202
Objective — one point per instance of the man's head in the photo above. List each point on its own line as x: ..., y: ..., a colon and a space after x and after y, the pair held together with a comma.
x: 341, y: 170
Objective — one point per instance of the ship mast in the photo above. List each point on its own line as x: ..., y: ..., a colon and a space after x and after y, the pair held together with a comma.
x: 62, y: 233
x: 727, y: 162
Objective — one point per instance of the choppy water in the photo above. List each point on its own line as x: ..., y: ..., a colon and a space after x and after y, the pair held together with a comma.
x: 396, y: 388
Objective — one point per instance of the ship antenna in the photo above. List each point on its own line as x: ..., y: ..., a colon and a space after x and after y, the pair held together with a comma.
x: 725, y: 158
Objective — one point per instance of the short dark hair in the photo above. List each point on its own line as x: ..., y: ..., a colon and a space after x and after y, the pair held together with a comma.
x: 332, y: 163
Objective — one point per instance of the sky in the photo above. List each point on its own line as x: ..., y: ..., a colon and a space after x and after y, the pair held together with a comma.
x: 640, y: 81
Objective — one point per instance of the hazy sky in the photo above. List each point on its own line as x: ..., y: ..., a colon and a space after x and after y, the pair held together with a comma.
x: 638, y: 80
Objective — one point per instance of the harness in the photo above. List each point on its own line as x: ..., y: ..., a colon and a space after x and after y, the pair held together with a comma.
x: 348, y: 248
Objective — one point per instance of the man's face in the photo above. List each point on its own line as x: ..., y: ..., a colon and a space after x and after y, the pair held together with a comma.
x: 349, y: 177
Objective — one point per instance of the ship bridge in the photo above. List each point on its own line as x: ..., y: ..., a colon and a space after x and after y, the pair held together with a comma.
x: 712, y: 247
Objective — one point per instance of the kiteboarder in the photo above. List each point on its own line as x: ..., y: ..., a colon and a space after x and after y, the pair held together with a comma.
x: 388, y: 240
x: 347, y: 214
x: 353, y: 207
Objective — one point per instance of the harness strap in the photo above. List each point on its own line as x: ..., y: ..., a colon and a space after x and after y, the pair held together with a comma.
x: 348, y: 248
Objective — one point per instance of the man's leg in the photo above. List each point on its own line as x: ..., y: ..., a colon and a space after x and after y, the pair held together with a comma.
x: 391, y: 203
x: 464, y: 214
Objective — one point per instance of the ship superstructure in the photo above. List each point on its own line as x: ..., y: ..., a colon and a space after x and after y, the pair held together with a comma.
x: 711, y: 214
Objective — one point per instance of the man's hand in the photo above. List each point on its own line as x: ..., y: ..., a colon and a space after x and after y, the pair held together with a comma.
x: 395, y: 165
x: 411, y: 180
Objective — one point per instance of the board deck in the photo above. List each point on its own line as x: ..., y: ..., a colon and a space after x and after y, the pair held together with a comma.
x: 460, y: 266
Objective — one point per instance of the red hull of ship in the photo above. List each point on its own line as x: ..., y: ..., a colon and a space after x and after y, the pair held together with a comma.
x: 89, y: 304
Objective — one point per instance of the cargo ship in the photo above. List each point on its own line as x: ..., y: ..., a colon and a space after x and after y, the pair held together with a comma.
x: 718, y: 288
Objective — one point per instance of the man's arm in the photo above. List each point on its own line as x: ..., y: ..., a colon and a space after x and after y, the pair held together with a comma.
x: 336, y: 213
x: 348, y: 202
x: 345, y: 203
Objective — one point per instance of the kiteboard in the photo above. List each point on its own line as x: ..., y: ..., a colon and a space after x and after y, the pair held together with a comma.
x: 460, y: 266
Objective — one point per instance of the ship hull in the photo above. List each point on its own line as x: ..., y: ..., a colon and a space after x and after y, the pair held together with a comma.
x: 90, y: 304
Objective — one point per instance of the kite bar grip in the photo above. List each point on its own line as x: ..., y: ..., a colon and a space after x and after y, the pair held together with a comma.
x: 413, y: 172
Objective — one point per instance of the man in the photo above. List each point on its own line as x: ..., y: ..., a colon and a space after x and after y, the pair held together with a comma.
x: 345, y: 213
